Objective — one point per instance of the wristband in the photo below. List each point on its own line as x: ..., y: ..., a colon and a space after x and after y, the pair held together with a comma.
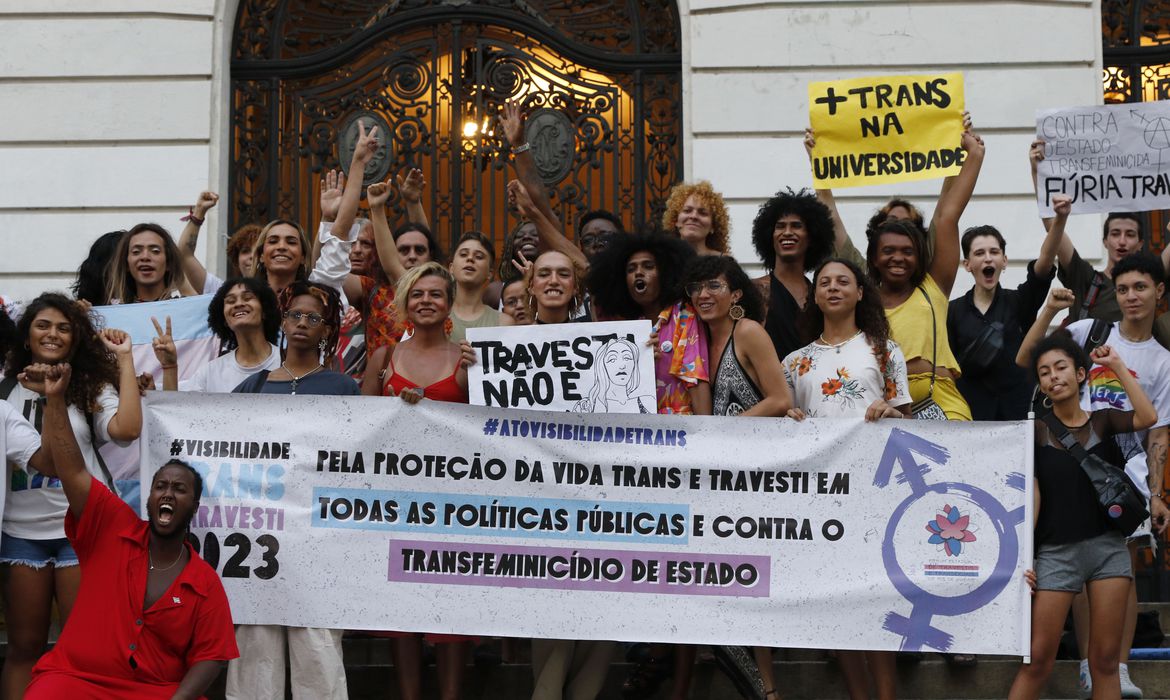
x: 192, y: 218
x: 166, y: 367
x: 521, y: 148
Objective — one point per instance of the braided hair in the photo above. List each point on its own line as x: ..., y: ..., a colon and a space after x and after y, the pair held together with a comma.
x: 331, y: 303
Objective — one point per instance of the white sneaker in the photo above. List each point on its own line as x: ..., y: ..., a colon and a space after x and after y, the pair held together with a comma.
x: 1128, y: 689
x: 1084, y: 681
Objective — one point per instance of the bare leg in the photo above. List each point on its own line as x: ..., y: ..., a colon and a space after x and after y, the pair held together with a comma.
x: 1080, y: 612
x: 852, y: 665
x: 1107, y: 617
x: 408, y: 664
x: 1131, y: 607
x: 28, y: 606
x: 66, y: 582
x: 1049, y: 609
x: 684, y: 667
x: 451, y: 661
x: 884, y: 671
x: 764, y: 661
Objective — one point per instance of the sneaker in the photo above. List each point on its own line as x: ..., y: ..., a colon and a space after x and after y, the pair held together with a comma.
x: 1084, y: 681
x: 1128, y: 689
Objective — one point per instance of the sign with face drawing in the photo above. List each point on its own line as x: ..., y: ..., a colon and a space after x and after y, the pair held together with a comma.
x: 580, y: 367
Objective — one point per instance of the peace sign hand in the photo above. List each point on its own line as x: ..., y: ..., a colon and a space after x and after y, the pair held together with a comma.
x: 164, y: 345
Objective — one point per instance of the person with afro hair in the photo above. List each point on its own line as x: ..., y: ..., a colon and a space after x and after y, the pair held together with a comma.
x: 640, y: 276
x: 793, y: 232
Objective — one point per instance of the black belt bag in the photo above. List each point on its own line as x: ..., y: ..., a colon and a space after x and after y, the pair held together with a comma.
x: 1123, y: 503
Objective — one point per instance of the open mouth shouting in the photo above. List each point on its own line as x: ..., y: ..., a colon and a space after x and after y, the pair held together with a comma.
x: 166, y: 514
x: 640, y: 286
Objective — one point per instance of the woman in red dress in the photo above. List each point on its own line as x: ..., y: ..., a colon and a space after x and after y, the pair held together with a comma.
x: 424, y: 365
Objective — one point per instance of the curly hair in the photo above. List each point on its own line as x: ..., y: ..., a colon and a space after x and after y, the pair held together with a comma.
x: 1061, y: 341
x: 94, y: 366
x: 91, y: 284
x: 818, y: 224
x: 707, y: 267
x: 331, y: 311
x: 578, y: 285
x: 902, y: 227
x: 8, y: 335
x: 243, y: 239
x: 869, y: 315
x: 595, y: 214
x: 720, y: 220
x: 119, y: 282
x: 882, y: 214
x: 607, y: 272
x: 269, y: 310
x: 506, y: 270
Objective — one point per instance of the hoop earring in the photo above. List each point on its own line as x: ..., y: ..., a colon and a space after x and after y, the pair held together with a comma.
x: 1046, y: 402
x: 735, y: 312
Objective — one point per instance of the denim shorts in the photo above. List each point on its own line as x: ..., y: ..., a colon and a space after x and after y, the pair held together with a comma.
x: 1068, y: 567
x: 36, y: 553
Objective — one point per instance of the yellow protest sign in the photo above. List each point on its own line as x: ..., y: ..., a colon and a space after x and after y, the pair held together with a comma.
x: 886, y: 129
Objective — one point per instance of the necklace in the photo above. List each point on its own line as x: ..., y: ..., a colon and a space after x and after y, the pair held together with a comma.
x: 1132, y: 340
x: 150, y: 559
x: 295, y: 378
x: 838, y: 346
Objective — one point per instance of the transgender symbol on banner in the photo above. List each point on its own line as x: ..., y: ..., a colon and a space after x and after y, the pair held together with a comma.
x: 939, y: 518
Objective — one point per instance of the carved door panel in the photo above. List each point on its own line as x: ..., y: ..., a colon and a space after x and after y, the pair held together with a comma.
x: 603, y: 137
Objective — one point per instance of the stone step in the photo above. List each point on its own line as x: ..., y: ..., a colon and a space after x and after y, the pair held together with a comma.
x: 798, y: 680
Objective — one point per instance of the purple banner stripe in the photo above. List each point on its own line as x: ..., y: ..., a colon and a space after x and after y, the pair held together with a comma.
x: 566, y: 568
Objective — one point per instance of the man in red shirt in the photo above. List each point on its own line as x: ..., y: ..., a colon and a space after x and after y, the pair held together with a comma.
x: 151, y: 619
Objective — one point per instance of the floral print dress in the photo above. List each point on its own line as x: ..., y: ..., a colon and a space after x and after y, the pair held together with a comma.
x: 843, y: 380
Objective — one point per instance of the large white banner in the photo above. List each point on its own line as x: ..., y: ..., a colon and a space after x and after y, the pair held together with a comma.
x: 368, y: 513
x: 1107, y: 158
x: 581, y: 367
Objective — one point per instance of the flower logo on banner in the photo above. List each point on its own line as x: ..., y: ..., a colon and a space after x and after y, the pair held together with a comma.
x: 949, y: 529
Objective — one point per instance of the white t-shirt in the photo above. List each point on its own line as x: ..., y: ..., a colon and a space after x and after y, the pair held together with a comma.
x: 224, y: 373
x: 1149, y: 363
x: 842, y: 381
x: 36, y: 503
x: 18, y: 441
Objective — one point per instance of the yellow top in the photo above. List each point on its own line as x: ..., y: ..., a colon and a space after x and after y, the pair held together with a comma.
x: 911, y: 330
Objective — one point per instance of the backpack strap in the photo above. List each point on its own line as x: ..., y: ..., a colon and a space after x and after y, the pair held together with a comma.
x: 1094, y: 292
x: 109, y: 478
x: 263, y: 374
x: 1098, y: 334
x: 7, y: 385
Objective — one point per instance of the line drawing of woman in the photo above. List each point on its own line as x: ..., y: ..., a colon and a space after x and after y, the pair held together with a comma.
x: 616, y: 382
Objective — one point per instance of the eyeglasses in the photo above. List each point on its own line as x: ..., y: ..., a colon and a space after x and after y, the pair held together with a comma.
x: 296, y: 316
x: 514, y: 301
x: 713, y: 286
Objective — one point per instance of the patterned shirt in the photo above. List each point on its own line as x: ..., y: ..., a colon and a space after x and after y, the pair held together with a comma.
x: 683, y: 363
x: 842, y: 381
